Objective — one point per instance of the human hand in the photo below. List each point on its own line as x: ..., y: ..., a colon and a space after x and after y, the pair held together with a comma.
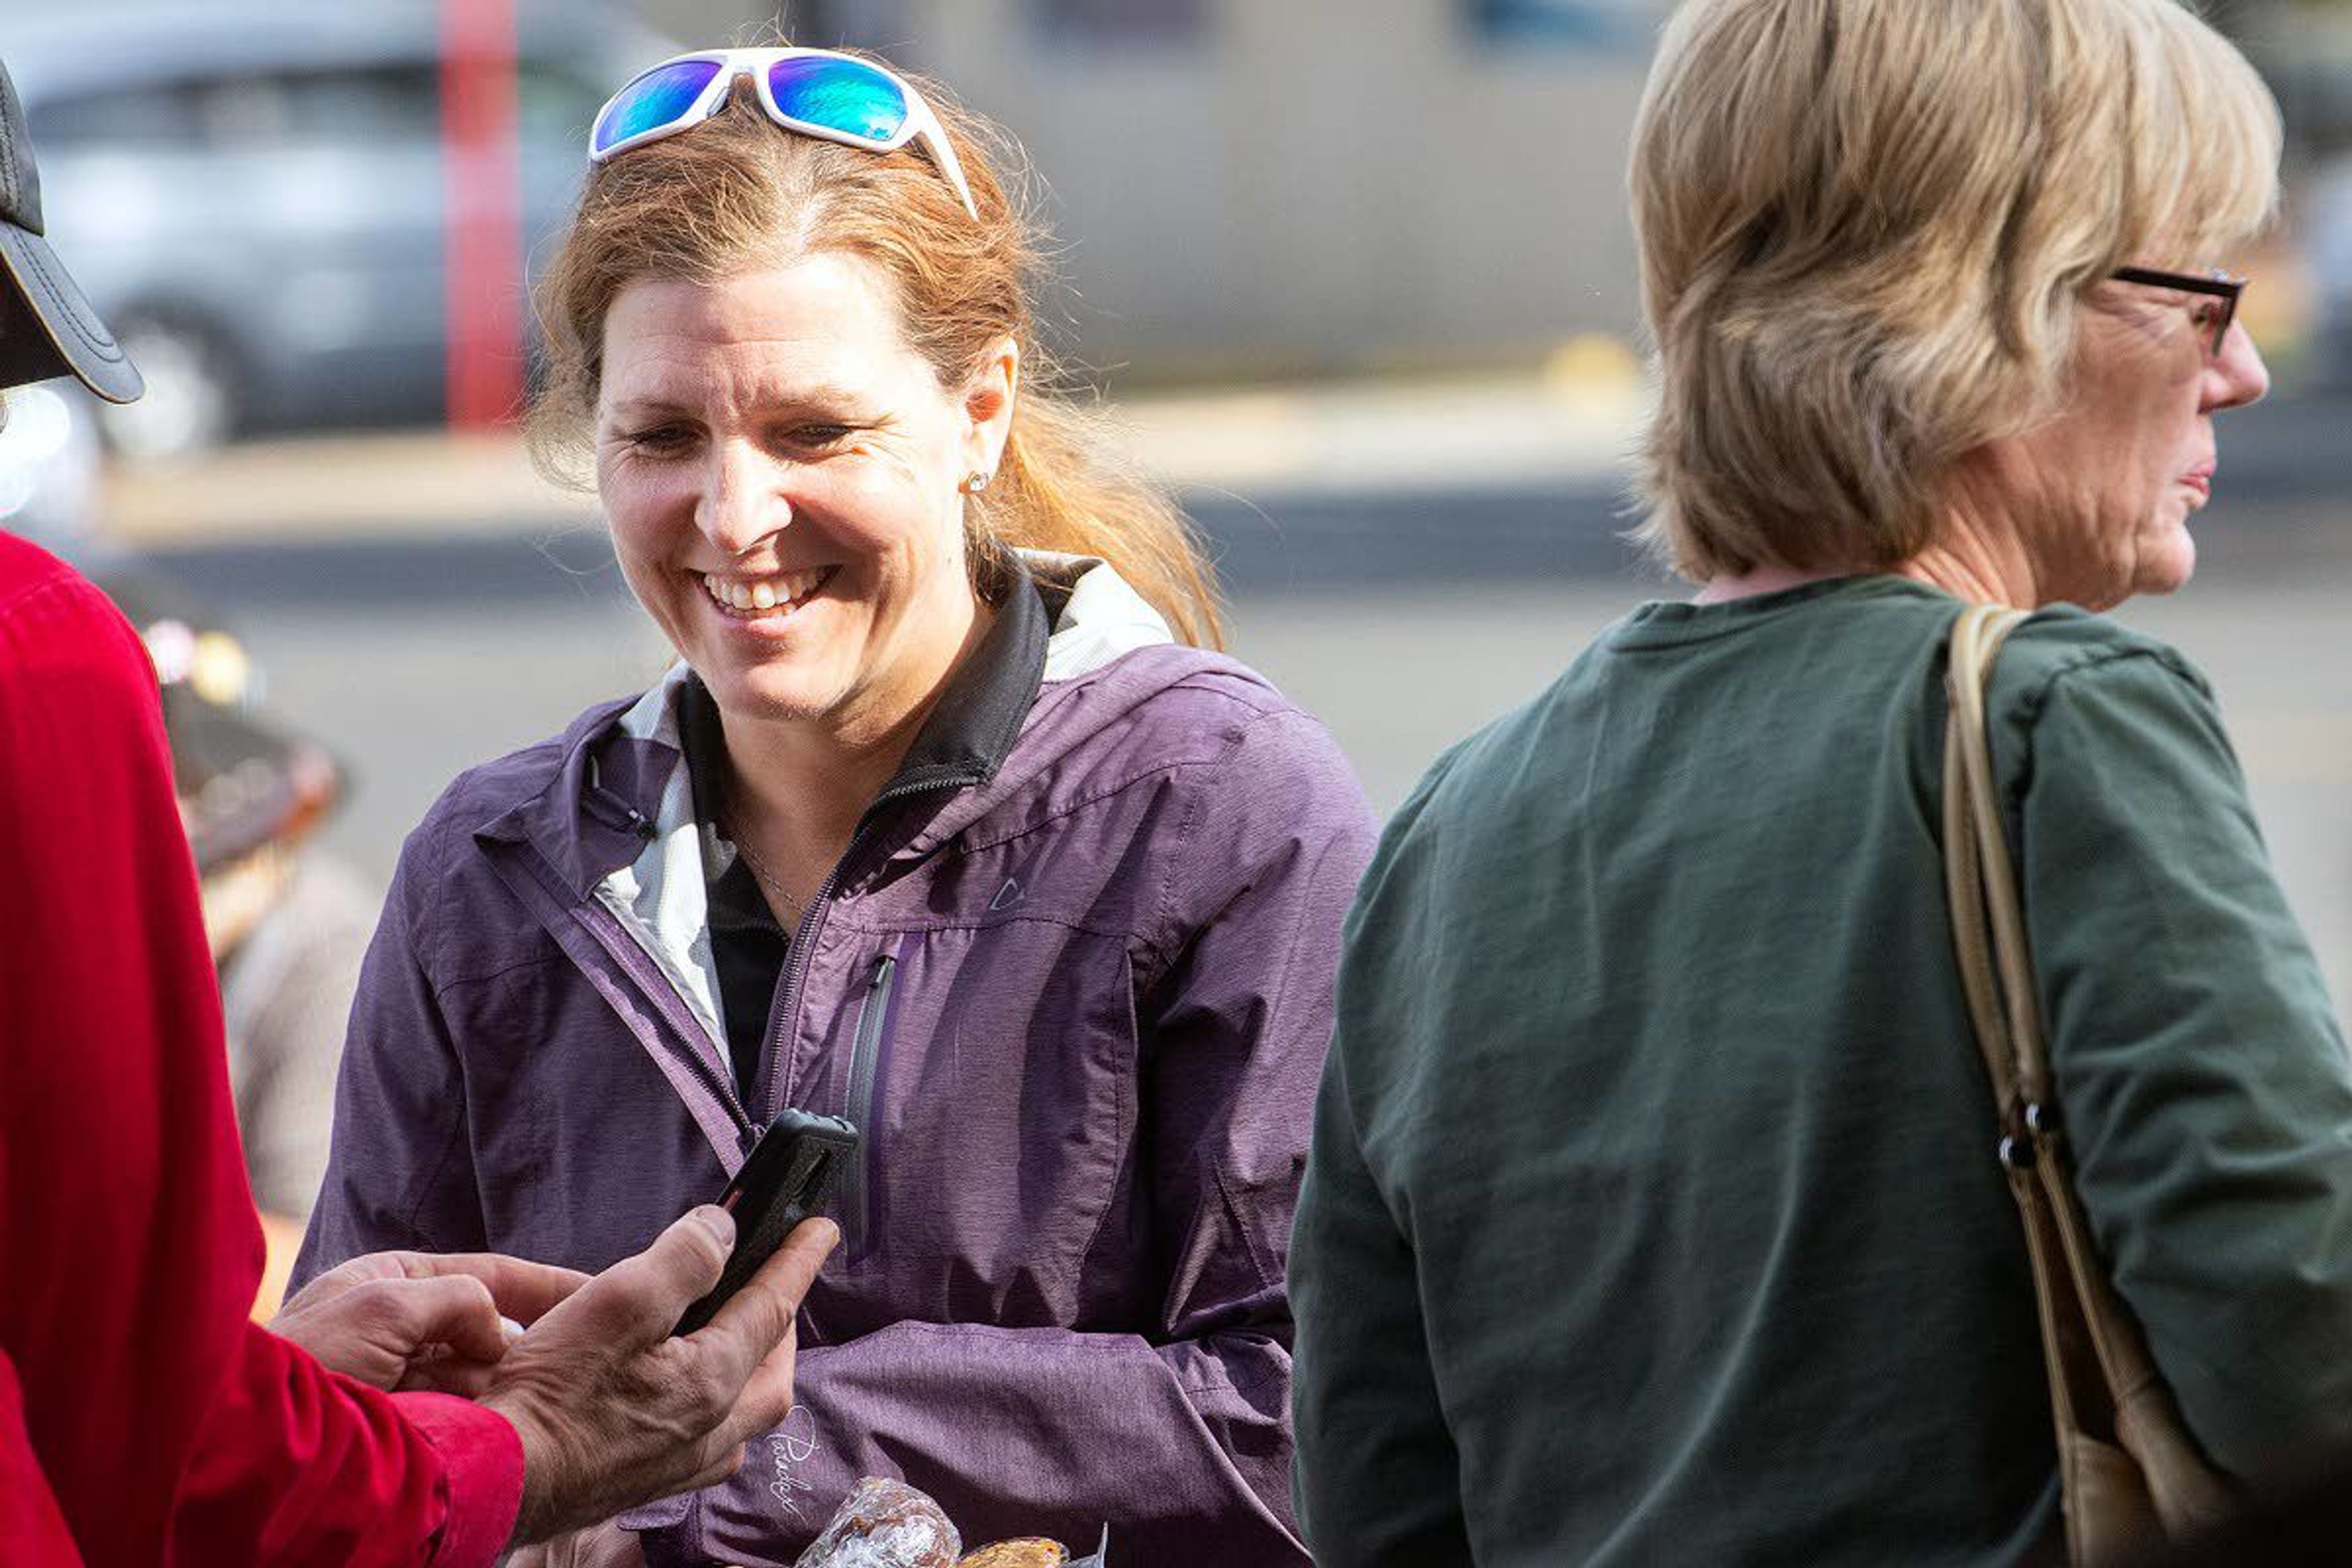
x: 613, y: 1411
x: 420, y: 1319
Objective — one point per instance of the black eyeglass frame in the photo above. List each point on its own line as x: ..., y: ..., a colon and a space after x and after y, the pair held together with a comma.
x: 2218, y: 285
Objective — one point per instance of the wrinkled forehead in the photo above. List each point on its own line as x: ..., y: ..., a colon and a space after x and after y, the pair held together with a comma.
x: 826, y: 323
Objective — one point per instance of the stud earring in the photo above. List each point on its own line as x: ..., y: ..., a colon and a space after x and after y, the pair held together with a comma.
x: 974, y: 482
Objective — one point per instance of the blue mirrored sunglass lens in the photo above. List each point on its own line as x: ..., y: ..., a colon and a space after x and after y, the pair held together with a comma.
x: 655, y: 99
x: 847, y: 96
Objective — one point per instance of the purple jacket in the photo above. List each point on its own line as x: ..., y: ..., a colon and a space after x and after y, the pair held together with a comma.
x: 1076, y: 990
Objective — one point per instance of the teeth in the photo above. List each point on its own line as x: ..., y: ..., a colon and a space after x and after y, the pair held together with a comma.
x: 785, y: 588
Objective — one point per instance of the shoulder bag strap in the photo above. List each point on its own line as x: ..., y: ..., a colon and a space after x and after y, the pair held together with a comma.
x: 2104, y: 1384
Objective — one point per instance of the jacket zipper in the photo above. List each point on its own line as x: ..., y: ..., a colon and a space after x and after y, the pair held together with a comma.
x: 787, y: 1004
x: 658, y: 989
x: 857, y: 1104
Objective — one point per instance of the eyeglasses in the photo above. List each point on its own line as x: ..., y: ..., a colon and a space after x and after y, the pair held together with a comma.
x: 816, y: 93
x: 2219, y: 285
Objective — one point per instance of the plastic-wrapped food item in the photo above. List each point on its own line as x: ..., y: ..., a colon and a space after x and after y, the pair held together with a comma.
x: 1036, y: 1552
x: 885, y: 1524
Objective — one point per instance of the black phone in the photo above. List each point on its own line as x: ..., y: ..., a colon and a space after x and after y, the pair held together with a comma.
x: 788, y: 1177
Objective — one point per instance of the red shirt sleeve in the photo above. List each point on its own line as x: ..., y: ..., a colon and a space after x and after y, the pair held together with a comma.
x: 31, y: 1527
x: 294, y: 1464
x: 145, y: 1414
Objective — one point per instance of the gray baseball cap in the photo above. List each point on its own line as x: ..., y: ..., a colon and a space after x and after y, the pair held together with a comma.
x: 46, y: 326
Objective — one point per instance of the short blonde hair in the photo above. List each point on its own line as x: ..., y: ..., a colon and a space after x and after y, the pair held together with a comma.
x: 1865, y: 227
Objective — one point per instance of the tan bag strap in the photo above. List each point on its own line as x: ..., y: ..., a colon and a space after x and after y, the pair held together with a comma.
x: 2103, y: 1379
x: 2003, y: 998
x: 2005, y: 1009
x: 1976, y: 638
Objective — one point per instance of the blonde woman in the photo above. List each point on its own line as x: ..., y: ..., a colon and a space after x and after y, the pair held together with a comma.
x: 947, y: 821
x: 1653, y: 1213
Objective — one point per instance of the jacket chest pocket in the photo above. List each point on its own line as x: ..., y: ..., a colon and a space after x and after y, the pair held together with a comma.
x: 993, y: 1074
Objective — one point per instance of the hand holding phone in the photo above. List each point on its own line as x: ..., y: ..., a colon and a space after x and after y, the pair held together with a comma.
x: 790, y: 1175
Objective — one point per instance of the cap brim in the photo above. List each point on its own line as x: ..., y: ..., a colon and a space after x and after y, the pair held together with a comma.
x: 70, y: 332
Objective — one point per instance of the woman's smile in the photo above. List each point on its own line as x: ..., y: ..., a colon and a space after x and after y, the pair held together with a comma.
x: 763, y: 596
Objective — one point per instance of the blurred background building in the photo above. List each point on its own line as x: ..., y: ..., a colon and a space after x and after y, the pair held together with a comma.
x: 1315, y: 186
x: 1242, y: 189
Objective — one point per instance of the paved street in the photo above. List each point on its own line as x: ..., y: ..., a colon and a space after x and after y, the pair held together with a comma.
x: 1404, y: 620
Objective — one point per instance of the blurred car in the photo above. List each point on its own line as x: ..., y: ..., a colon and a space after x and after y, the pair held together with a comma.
x: 255, y: 198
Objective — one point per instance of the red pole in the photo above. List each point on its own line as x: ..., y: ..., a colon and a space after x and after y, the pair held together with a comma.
x: 482, y: 196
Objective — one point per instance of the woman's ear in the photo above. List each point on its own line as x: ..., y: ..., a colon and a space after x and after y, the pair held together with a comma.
x: 988, y: 400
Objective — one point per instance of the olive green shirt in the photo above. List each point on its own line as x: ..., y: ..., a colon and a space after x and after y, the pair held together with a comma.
x: 1653, y: 1213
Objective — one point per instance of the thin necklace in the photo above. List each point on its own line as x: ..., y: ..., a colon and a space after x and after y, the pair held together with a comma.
x: 791, y: 911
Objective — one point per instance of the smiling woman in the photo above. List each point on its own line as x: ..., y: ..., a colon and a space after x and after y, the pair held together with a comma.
x: 785, y: 480
x: 947, y: 822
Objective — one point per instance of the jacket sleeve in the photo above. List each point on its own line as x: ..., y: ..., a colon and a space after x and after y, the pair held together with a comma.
x: 296, y: 1464
x: 2197, y: 1062
x: 163, y: 1426
x: 1376, y: 1477
x: 1178, y: 1438
x: 31, y: 1526
x: 399, y: 1169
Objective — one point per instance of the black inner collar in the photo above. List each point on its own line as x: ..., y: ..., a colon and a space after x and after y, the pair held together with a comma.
x: 966, y: 737
x: 964, y: 742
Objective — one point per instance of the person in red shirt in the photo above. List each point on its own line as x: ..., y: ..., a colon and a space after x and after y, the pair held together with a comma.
x: 143, y: 1417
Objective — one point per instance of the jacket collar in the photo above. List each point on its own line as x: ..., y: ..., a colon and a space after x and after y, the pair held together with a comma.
x: 592, y: 815
x: 972, y: 728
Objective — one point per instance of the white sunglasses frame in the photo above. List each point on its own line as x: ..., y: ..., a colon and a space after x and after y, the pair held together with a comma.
x: 922, y: 123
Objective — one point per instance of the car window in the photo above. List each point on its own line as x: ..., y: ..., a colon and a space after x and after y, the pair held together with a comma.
x: 556, y: 101
x: 369, y: 106
x: 154, y: 113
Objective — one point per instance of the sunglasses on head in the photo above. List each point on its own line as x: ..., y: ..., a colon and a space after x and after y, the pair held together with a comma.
x: 816, y: 93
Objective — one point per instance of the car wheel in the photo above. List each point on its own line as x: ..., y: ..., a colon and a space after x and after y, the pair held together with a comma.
x: 191, y: 404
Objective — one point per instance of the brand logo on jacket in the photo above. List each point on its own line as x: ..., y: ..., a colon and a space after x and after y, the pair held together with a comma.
x: 793, y: 1445
x: 1007, y: 896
